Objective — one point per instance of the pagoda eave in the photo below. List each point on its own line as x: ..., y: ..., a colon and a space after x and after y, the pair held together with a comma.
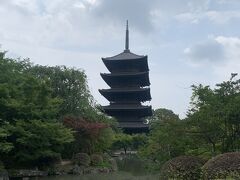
x: 140, y: 65
x: 133, y: 125
x: 126, y: 110
x: 126, y: 79
x: 140, y: 94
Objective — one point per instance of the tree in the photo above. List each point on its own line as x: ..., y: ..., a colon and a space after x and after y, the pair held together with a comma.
x: 36, y: 143
x: 24, y: 96
x: 29, y: 133
x: 5, y: 146
x: 122, y: 141
x: 70, y: 85
x: 215, y: 115
x: 166, y: 139
x: 90, y: 137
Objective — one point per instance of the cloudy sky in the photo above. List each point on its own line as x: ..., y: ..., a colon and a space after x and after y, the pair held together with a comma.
x: 187, y: 41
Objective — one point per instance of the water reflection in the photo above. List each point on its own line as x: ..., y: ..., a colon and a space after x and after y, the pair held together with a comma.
x: 130, y: 168
x: 112, y: 176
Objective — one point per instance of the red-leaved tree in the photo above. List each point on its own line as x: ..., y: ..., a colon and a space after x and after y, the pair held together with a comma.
x: 87, y: 134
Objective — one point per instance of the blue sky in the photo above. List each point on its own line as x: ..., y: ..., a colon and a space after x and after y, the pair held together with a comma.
x: 187, y: 42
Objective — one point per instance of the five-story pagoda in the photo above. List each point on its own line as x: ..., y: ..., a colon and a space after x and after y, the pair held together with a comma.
x: 129, y: 87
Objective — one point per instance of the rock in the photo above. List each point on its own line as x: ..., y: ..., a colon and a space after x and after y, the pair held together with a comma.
x: 113, y: 163
x: 65, y: 167
x: 26, y: 173
x: 77, y: 170
x: 103, y: 170
x: 96, y: 159
x: 82, y: 159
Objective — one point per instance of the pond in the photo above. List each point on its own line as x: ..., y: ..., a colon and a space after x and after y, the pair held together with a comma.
x: 112, y: 176
x: 130, y: 168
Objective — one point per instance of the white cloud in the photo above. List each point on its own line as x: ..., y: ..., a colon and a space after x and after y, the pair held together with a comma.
x: 221, y: 52
x: 209, y: 51
x: 232, y: 48
x: 222, y: 17
x: 217, y: 17
x: 188, y: 17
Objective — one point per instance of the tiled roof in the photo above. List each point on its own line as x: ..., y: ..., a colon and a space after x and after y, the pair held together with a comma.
x: 125, y: 55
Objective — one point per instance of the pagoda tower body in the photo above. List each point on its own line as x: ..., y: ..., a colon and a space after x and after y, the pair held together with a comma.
x: 129, y: 88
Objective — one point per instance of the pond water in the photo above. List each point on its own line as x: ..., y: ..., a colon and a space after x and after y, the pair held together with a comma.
x: 112, y: 176
x: 129, y: 169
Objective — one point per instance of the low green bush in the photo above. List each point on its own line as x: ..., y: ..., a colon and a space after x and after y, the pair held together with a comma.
x: 96, y: 159
x: 106, y: 157
x: 223, y: 166
x: 1, y: 165
x: 82, y: 159
x: 182, y: 168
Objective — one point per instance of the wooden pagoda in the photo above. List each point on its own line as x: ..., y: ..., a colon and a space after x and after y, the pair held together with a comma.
x: 129, y: 88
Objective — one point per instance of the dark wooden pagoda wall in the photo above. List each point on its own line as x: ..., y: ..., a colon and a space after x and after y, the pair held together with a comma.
x: 127, y: 106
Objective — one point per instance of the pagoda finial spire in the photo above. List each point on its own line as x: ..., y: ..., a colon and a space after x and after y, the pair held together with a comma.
x: 127, y: 39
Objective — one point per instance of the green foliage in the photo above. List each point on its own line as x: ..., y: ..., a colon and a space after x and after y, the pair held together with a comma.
x: 5, y: 146
x: 138, y: 140
x: 90, y: 137
x: 68, y: 84
x: 182, y: 168
x: 36, y: 142
x: 162, y: 114
x: 223, y: 166
x: 82, y: 159
x: 33, y: 101
x: 29, y: 133
x: 22, y: 95
x: 166, y: 139
x: 104, y: 140
x: 212, y: 126
x: 214, y: 117
x: 1, y: 166
x: 122, y: 141
x: 129, y: 142
x: 96, y: 159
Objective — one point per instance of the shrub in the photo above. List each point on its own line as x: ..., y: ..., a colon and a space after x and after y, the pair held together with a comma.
x: 1, y: 165
x: 96, y: 159
x: 82, y: 159
x: 223, y: 166
x: 182, y: 167
x: 106, y: 157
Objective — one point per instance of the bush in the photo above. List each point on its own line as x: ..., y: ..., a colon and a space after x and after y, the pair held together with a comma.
x: 106, y: 157
x: 1, y: 165
x: 182, y: 167
x: 223, y: 166
x: 82, y: 159
x: 96, y: 159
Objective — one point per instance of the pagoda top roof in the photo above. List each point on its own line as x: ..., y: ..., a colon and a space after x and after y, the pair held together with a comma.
x: 125, y: 55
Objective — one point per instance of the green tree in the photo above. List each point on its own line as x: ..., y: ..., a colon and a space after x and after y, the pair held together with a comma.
x: 122, y: 141
x: 22, y: 95
x: 215, y: 115
x: 166, y: 139
x: 36, y: 142
x: 70, y: 85
x: 29, y: 133
x: 5, y: 146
